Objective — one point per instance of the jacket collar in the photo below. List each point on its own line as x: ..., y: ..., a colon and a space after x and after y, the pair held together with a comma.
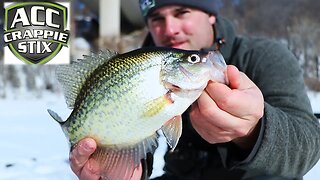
x: 225, y: 34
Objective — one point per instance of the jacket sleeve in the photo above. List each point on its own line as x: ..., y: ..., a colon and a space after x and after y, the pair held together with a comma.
x: 289, y: 140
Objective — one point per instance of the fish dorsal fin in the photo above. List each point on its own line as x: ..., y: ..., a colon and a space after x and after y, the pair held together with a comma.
x: 73, y: 76
x: 172, y: 131
x: 120, y: 162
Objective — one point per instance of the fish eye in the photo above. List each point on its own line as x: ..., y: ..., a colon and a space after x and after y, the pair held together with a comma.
x: 194, y: 58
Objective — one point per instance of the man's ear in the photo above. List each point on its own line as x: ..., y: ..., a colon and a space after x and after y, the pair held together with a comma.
x: 212, y: 19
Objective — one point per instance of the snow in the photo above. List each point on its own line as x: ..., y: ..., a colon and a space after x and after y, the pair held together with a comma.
x: 314, y: 173
x: 34, y: 147
x: 315, y: 101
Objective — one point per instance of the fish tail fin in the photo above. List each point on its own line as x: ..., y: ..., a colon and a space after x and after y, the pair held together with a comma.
x: 55, y: 116
x: 120, y: 163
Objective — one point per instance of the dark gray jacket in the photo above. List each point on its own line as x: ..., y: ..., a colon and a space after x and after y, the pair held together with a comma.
x: 289, y: 141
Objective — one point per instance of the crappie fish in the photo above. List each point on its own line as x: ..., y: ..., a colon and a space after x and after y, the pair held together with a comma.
x: 122, y: 100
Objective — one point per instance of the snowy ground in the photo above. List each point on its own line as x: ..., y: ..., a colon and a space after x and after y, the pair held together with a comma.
x: 314, y: 174
x: 34, y: 147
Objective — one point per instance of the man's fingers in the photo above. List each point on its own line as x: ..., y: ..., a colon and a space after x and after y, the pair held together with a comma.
x: 137, y: 173
x: 233, y: 77
x: 204, y: 101
x: 80, y: 154
x: 90, y: 171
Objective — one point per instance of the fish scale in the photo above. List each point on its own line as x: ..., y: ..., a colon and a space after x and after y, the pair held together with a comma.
x: 99, y: 79
x: 122, y: 100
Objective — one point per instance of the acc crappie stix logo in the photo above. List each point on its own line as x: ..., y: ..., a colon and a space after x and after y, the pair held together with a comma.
x: 36, y: 32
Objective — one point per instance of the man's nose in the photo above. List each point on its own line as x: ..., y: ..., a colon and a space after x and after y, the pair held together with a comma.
x: 171, y: 26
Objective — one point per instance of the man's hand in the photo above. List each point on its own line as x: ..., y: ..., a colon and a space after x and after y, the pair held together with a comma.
x: 229, y: 113
x: 87, y: 168
x: 80, y: 162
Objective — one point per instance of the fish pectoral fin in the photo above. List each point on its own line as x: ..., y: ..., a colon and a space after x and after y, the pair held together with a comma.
x: 120, y: 162
x: 172, y: 130
x: 157, y: 105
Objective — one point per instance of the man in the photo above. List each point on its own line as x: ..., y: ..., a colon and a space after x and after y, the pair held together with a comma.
x: 260, y: 126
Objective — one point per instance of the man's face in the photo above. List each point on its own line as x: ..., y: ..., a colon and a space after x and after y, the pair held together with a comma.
x: 181, y: 27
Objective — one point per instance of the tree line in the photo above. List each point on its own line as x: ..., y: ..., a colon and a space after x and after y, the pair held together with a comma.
x: 294, y: 22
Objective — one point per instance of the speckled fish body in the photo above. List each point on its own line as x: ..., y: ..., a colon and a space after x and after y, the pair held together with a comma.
x: 122, y: 100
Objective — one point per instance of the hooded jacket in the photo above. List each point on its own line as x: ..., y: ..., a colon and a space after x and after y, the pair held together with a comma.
x: 289, y: 138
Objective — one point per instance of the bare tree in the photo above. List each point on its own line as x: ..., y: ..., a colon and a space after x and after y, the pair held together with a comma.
x: 2, y: 82
x: 12, y: 76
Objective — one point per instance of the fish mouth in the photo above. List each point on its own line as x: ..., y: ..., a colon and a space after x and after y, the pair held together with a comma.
x: 182, y: 92
x: 177, y: 88
x: 172, y: 87
x: 219, y: 65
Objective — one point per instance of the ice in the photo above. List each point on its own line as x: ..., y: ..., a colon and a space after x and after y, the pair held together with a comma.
x: 33, y: 145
